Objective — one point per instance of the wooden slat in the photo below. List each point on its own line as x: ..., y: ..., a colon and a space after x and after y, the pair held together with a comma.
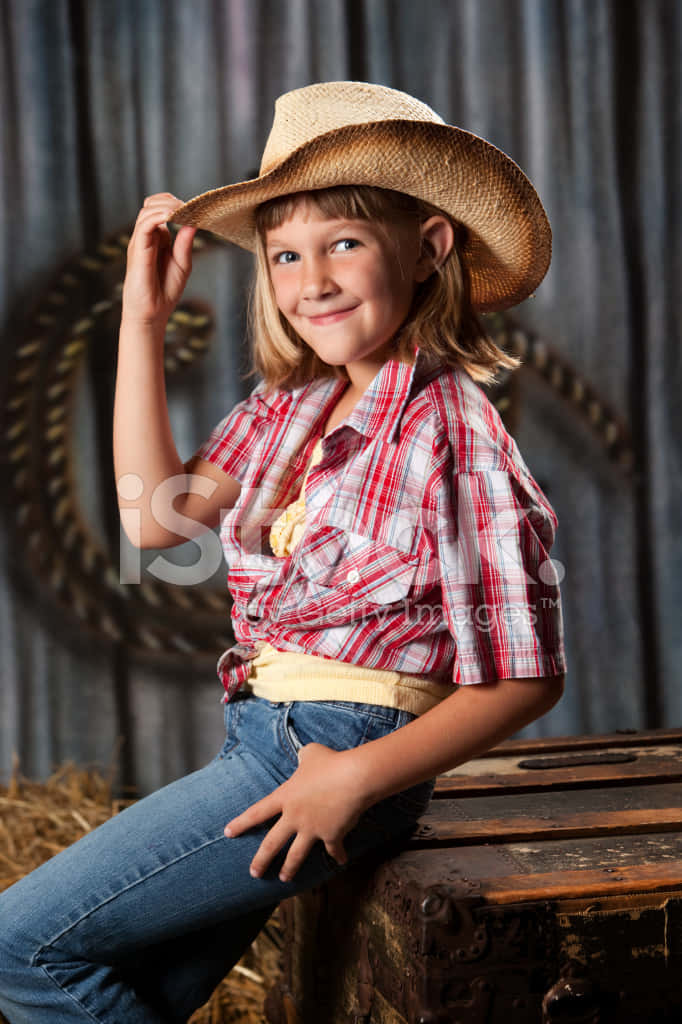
x: 552, y: 744
x: 579, y: 884
x: 552, y: 804
x: 436, y: 831
x: 504, y: 773
x: 546, y: 869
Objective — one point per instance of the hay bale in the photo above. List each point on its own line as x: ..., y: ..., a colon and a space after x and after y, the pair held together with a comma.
x: 39, y: 819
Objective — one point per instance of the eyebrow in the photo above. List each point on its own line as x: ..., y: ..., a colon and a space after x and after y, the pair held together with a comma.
x: 275, y: 243
x: 343, y: 225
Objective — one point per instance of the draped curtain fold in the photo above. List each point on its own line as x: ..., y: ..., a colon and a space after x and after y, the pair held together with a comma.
x: 102, y: 104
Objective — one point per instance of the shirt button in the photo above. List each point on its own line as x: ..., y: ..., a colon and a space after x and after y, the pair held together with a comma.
x: 353, y: 576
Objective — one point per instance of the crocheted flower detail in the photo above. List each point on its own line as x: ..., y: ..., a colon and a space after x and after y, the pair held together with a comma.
x: 287, y: 530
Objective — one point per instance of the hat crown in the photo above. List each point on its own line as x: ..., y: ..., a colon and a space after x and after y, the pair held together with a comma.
x: 304, y: 114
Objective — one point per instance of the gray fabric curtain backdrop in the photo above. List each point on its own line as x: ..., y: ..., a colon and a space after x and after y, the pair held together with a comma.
x: 103, y: 103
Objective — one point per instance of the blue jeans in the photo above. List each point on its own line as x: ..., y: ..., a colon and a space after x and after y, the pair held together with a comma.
x: 140, y: 920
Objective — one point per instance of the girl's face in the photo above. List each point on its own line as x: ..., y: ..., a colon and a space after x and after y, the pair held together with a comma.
x: 345, y: 286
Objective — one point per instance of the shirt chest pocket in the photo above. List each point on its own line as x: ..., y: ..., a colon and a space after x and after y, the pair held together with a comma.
x: 349, y: 568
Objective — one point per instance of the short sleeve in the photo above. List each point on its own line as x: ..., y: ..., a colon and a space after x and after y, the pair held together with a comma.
x: 500, y: 588
x: 232, y: 443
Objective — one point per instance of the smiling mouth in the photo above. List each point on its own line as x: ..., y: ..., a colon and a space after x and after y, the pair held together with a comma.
x: 331, y: 318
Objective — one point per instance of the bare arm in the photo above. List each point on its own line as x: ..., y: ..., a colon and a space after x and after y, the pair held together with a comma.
x: 150, y: 476
x: 469, y: 722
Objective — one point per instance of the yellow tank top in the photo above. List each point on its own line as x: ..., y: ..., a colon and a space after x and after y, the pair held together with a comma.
x: 288, y: 675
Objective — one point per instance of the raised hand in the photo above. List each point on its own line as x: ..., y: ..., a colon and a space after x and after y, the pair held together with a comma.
x: 157, y: 268
x: 322, y: 800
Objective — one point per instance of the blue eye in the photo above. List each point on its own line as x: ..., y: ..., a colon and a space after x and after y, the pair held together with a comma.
x: 286, y: 257
x: 346, y: 244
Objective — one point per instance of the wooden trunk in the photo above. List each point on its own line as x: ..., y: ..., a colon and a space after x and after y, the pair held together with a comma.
x: 544, y: 883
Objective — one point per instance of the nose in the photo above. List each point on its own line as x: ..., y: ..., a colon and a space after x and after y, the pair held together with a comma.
x: 316, y: 281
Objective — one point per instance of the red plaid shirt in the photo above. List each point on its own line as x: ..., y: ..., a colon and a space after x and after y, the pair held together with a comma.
x: 426, y: 543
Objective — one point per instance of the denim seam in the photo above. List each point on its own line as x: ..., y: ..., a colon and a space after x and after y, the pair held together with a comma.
x: 65, y: 991
x: 386, y: 719
x: 394, y: 720
x: 127, y: 888
x: 235, y: 715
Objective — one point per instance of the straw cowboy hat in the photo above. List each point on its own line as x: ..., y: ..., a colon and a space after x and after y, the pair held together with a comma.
x: 355, y: 133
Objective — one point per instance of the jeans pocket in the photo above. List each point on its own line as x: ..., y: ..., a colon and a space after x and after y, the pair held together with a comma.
x: 339, y: 725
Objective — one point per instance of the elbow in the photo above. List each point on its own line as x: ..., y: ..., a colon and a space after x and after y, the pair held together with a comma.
x: 153, y: 543
x: 554, y: 686
x: 147, y: 526
x: 535, y: 695
x: 137, y: 539
x: 144, y: 535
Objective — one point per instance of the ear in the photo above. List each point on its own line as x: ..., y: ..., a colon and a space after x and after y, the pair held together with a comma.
x: 437, y: 240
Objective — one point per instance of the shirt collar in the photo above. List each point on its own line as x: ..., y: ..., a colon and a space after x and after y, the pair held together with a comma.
x: 380, y: 410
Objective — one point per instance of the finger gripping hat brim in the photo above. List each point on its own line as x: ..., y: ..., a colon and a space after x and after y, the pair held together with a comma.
x: 508, y: 245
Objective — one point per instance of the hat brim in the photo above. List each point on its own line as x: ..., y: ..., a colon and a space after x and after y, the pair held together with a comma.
x: 509, y: 240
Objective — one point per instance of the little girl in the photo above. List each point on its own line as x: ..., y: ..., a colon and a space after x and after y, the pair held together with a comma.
x: 387, y: 547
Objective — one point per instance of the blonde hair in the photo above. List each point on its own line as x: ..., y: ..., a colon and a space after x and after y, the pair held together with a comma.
x: 441, y: 319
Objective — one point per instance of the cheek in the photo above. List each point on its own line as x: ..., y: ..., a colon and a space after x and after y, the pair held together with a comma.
x: 393, y: 293
x: 283, y: 291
